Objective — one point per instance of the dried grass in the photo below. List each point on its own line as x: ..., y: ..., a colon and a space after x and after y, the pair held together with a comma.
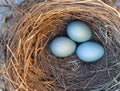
x: 30, y: 66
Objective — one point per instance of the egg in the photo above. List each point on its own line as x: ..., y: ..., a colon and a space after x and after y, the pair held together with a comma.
x: 79, y: 31
x: 90, y: 51
x: 62, y: 46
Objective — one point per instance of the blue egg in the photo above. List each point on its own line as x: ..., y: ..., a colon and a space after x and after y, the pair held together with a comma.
x: 62, y: 46
x: 79, y: 31
x: 90, y: 51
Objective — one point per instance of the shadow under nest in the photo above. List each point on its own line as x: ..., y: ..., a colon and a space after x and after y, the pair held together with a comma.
x: 32, y: 67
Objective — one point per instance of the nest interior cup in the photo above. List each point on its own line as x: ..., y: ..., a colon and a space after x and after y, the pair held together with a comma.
x: 32, y: 67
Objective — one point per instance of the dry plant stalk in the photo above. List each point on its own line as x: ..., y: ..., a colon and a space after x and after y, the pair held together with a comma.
x: 30, y: 64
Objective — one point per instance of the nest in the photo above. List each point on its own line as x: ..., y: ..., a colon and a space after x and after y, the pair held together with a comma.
x: 32, y: 67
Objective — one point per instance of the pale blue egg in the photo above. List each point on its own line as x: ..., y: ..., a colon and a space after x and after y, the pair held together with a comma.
x: 62, y: 46
x: 90, y: 51
x: 79, y: 31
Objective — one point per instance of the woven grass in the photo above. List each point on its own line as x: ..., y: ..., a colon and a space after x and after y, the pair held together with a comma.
x: 31, y: 66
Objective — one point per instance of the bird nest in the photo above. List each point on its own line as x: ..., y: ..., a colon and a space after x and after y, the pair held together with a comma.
x: 30, y: 65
